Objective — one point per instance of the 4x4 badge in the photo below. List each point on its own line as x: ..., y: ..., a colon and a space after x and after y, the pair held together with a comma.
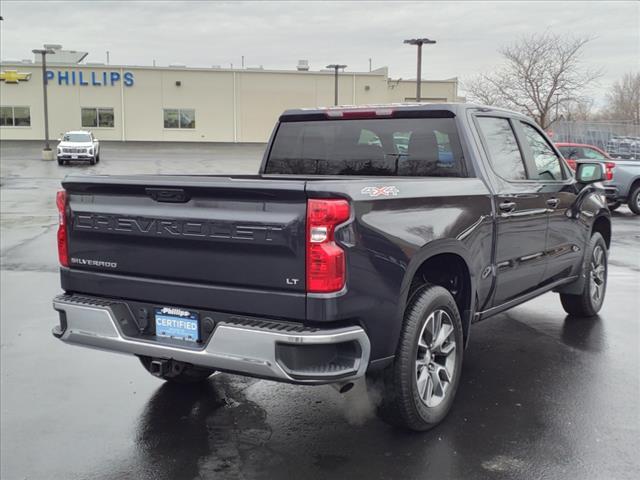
x: 385, y: 191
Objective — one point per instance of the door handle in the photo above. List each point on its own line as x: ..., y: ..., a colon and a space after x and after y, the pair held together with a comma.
x: 507, y: 206
x: 553, y: 203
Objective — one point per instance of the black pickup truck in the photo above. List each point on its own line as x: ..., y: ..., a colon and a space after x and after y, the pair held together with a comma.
x: 369, y: 242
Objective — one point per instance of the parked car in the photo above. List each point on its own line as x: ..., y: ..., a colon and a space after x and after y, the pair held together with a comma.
x: 580, y: 151
x: 78, y: 145
x: 626, y: 148
x: 622, y: 184
x: 626, y: 185
x: 342, y: 258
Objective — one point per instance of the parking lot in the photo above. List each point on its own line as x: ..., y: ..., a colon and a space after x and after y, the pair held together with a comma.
x: 542, y: 395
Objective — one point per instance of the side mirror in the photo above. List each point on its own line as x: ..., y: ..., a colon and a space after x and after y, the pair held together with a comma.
x: 589, y: 172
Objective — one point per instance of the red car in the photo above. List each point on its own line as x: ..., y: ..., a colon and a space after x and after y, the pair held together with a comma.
x: 573, y: 152
x: 580, y: 151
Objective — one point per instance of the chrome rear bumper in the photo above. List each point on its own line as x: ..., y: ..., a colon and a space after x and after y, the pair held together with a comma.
x: 274, y: 351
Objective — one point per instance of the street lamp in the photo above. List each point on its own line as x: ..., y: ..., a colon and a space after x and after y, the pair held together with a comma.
x: 46, y: 152
x: 419, y: 42
x: 336, y: 67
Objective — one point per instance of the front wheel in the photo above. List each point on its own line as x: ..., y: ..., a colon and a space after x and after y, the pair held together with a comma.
x: 589, y: 302
x: 419, y: 387
x: 634, y: 200
x: 176, y: 372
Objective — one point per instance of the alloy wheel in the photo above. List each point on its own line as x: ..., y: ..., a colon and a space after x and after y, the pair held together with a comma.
x: 598, y: 275
x: 436, y: 358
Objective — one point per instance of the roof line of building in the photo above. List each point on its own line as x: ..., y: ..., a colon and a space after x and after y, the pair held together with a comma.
x: 383, y: 71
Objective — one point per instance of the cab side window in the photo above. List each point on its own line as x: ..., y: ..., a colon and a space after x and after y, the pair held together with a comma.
x: 504, y: 152
x: 547, y: 162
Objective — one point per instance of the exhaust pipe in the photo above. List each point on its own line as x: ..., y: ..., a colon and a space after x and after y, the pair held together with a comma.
x: 342, y: 387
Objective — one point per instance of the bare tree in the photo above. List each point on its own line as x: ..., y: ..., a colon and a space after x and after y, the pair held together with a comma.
x: 540, y: 73
x: 624, y: 99
x: 579, y: 109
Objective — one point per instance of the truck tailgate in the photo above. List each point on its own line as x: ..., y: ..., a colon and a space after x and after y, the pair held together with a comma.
x: 228, y: 232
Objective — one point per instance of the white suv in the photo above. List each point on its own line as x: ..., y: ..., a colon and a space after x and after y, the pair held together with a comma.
x: 78, y: 145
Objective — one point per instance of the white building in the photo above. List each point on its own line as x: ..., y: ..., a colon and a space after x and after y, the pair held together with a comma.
x: 177, y: 103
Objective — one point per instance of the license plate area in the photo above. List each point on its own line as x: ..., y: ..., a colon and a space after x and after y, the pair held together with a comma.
x: 177, y: 323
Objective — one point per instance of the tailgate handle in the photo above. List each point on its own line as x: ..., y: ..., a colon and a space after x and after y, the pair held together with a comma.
x: 168, y: 195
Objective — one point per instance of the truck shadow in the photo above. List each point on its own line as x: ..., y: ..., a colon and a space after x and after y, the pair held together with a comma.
x: 186, y: 430
x: 585, y: 334
x: 172, y: 432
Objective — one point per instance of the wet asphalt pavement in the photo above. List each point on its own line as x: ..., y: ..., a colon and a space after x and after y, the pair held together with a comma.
x: 542, y: 395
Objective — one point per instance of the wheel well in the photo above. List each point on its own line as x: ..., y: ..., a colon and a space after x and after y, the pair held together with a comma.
x: 602, y: 225
x: 450, y: 271
x: 635, y: 184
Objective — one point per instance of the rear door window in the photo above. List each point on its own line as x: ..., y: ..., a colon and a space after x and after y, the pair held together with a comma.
x: 390, y: 146
x: 504, y: 153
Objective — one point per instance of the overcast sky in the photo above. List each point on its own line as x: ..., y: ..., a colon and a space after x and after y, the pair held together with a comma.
x: 277, y: 34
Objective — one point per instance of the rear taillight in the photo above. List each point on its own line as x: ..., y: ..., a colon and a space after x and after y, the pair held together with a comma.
x: 63, y: 250
x: 608, y: 172
x: 325, y: 259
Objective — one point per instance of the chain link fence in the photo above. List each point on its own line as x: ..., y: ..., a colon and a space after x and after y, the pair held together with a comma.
x: 619, y: 139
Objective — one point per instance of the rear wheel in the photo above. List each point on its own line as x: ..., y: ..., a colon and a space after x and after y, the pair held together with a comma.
x: 589, y: 302
x: 419, y: 387
x: 634, y: 200
x: 176, y: 372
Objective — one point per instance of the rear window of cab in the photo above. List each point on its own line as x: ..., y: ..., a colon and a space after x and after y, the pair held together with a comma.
x: 426, y: 147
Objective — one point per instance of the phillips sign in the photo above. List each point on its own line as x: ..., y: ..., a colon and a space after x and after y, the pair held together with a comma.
x: 93, y: 78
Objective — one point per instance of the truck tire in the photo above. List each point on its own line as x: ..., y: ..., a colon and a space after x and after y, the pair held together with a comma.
x: 419, y: 387
x: 92, y: 161
x: 589, y: 302
x: 634, y: 200
x: 180, y: 372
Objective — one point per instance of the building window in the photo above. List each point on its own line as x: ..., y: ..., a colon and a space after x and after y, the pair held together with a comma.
x: 97, y: 117
x: 179, y: 118
x: 15, y: 117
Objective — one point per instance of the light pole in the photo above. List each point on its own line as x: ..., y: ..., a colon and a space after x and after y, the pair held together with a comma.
x: 419, y: 42
x: 46, y: 152
x: 336, y: 67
